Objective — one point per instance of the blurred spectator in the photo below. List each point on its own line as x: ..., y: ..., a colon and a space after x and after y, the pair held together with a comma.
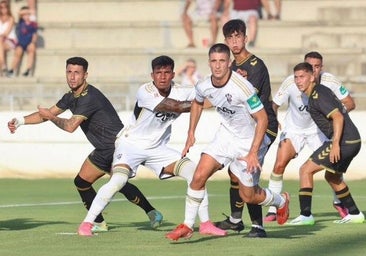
x: 277, y: 14
x: 201, y: 12
x: 220, y: 12
x: 7, y: 34
x: 26, y: 31
x: 188, y: 73
x: 248, y: 12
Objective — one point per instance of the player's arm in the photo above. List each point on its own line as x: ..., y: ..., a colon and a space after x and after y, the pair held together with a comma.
x: 34, y: 118
x: 196, y: 111
x: 349, y: 103
x: 338, y: 121
x: 261, y: 119
x: 69, y: 125
x: 171, y: 105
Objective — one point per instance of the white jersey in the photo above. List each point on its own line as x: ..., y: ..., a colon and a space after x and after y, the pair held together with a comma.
x: 148, y: 128
x: 235, y: 102
x: 298, y: 119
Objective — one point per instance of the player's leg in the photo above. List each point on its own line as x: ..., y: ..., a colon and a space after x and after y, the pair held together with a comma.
x: 185, y: 168
x: 195, y: 195
x: 234, y: 221
x: 285, y: 153
x: 87, y: 175
x: 307, y: 171
x: 119, y: 178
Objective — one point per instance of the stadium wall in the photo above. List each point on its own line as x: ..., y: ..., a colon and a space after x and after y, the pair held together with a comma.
x: 45, y: 151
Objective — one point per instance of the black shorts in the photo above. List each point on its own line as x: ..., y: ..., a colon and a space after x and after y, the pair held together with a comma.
x: 102, y: 159
x: 348, y: 152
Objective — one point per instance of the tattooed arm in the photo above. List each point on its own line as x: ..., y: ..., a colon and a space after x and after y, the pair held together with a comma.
x: 69, y: 125
x: 171, y: 105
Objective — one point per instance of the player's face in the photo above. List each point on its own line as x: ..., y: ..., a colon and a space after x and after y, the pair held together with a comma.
x: 76, y: 77
x: 220, y: 65
x: 317, y: 66
x: 236, y: 42
x: 304, y: 80
x: 162, y: 77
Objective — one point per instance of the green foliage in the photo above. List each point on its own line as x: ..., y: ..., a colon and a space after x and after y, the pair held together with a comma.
x: 40, y: 217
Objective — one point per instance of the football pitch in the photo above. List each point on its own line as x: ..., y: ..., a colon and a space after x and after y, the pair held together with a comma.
x: 40, y: 217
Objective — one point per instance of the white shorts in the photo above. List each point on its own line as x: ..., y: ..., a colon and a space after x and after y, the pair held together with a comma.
x: 299, y: 140
x: 244, y: 15
x: 226, y: 148
x: 155, y: 159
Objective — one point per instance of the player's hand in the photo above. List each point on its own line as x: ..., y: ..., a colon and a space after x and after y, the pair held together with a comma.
x: 253, y: 164
x: 189, y: 143
x: 14, y: 123
x: 335, y: 153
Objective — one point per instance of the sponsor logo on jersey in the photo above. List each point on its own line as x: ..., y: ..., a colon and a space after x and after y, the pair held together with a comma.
x: 166, y: 116
x: 254, y: 102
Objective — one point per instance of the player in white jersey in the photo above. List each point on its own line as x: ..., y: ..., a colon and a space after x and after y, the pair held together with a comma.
x: 144, y: 142
x: 299, y: 128
x: 238, y: 143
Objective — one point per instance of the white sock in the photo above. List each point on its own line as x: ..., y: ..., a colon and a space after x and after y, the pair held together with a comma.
x: 105, y: 195
x: 185, y: 168
x: 275, y: 184
x: 193, y: 201
x: 273, y: 199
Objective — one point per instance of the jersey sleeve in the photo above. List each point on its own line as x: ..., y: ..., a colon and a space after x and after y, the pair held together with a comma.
x: 148, y: 97
x: 322, y: 102
x: 335, y: 84
x: 282, y: 95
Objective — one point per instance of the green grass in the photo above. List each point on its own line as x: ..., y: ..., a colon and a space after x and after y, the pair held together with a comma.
x: 40, y: 217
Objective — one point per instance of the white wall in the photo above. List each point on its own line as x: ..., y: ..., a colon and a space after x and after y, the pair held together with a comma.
x: 38, y: 151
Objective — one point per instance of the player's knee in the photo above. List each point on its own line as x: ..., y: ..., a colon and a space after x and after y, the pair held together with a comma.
x: 81, y: 184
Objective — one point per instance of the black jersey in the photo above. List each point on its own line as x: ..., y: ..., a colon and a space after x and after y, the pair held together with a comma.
x: 322, y: 102
x: 101, y: 123
x: 258, y: 76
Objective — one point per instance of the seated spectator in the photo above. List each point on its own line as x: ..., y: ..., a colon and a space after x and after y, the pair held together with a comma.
x: 220, y: 12
x: 202, y: 11
x: 277, y: 14
x: 7, y: 34
x: 248, y: 12
x: 26, y: 31
x: 188, y: 73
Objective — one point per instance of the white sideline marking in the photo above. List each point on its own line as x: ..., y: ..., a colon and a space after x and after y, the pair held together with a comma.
x: 79, y: 202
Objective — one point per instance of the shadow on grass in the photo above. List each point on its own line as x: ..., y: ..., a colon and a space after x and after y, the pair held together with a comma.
x: 25, y: 223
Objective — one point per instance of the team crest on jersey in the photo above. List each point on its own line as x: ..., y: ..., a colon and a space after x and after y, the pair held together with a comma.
x: 343, y: 90
x: 254, y: 101
x: 119, y: 156
x: 315, y: 95
x: 254, y: 62
x: 229, y: 97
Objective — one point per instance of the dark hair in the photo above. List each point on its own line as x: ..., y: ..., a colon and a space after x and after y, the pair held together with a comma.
x: 78, y: 61
x: 162, y: 61
x: 304, y: 66
x: 220, y: 48
x: 232, y: 26
x: 314, y: 55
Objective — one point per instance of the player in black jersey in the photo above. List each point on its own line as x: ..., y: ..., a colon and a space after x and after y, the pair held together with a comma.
x: 335, y: 155
x: 255, y: 71
x: 99, y: 121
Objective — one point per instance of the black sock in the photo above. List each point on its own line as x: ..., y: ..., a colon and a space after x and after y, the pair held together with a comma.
x: 134, y: 195
x: 236, y: 203
x: 346, y: 199
x: 255, y: 213
x: 305, y: 197
x: 87, y: 194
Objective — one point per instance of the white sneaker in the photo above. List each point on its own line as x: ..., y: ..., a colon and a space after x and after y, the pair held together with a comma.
x: 100, y: 227
x: 302, y: 221
x: 351, y: 218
